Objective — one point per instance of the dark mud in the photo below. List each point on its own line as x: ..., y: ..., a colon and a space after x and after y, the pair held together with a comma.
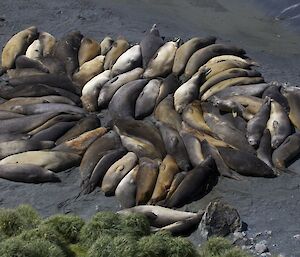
x: 264, y: 204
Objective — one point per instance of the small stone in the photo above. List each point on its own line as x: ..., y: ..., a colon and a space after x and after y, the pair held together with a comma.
x: 257, y: 234
x: 281, y: 255
x: 237, y: 235
x: 261, y: 247
x: 268, y: 232
x: 297, y: 237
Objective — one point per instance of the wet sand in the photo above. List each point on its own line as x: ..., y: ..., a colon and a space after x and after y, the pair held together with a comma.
x: 264, y: 204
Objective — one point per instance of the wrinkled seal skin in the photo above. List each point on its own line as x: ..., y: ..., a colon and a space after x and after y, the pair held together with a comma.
x: 287, y: 151
x: 27, y: 173
x: 66, y: 50
x: 185, y: 51
x: 167, y: 170
x: 194, y: 184
x: 264, y: 151
x: 257, y: 125
x: 89, y: 49
x: 174, y: 145
x: 118, y: 48
x: 150, y: 44
x: 123, y: 102
x: 146, y: 179
x: 245, y: 164
x: 17, y: 45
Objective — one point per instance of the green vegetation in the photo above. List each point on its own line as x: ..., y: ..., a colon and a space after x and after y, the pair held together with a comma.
x: 24, y: 234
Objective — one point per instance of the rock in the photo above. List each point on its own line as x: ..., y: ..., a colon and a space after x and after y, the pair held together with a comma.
x: 219, y: 219
x: 265, y: 254
x: 268, y: 232
x: 261, y: 247
x: 237, y: 235
x: 297, y: 237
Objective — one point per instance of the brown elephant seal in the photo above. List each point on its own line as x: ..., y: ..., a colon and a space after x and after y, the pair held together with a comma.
x: 47, y: 42
x: 117, y: 172
x: 273, y: 91
x: 167, y: 170
x: 264, y: 151
x: 287, y: 151
x: 168, y: 86
x: 186, y: 50
x: 118, y: 48
x: 66, y: 50
x: 17, y: 45
x: 106, y: 45
x: 34, y: 51
x: 16, y: 73
x: 146, y: 179
x: 27, y: 173
x: 251, y: 103
x: 89, y: 49
x: 4, y: 115
x: 150, y: 43
x: 175, y: 183
x: 23, y: 62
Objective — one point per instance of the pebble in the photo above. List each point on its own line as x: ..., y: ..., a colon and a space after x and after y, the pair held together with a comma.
x: 297, y: 237
x: 238, y: 235
x: 268, y: 232
x: 261, y: 247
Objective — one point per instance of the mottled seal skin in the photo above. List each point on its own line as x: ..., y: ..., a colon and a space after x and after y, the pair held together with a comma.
x: 279, y: 125
x: 55, y: 161
x: 88, y: 70
x: 126, y: 190
x: 167, y: 170
x: 79, y: 144
x: 89, y: 49
x: 118, y: 48
x: 166, y: 113
x: 245, y: 164
x: 185, y: 51
x: 47, y: 42
x: 264, y: 151
x: 159, y: 216
x: 111, y: 87
x: 106, y: 44
x: 117, y: 172
x: 17, y: 45
x: 66, y: 50
x: 174, y: 145
x: 287, y: 151
x: 194, y: 184
x: 54, y: 132
x: 146, y: 179
x: 27, y: 173
x: 122, y: 103
x: 129, y: 60
x: 101, y: 168
x: 168, y: 86
x: 150, y: 43
x: 146, y: 101
x: 203, y: 55
x: 257, y: 125
x: 273, y: 91
x: 34, y: 51
x: 161, y: 63
x: 85, y: 124
x: 90, y: 91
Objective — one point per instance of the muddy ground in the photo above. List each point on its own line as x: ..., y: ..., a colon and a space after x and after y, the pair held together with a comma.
x: 264, y: 204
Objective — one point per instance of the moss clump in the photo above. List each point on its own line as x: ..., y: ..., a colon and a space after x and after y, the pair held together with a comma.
x: 78, y: 250
x: 135, y: 224
x: 215, y: 246
x: 235, y: 252
x: 37, y: 248
x: 181, y: 247
x: 29, y: 216
x: 103, y: 223
x: 101, y: 247
x: 68, y: 226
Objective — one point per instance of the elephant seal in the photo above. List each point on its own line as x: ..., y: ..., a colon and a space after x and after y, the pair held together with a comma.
x: 194, y: 184
x: 150, y: 43
x: 203, y: 55
x: 174, y: 145
x: 17, y: 73
x: 17, y: 45
x: 23, y: 62
x: 6, y: 137
x: 66, y: 50
x: 128, y: 61
x: 126, y: 190
x: 167, y: 171
x: 273, y: 91
x: 245, y: 163
x: 188, y: 91
x: 106, y: 45
x: 257, y: 125
x: 27, y: 173
x: 231, y: 58
x: 118, y: 48
x: 175, y: 183
x: 111, y: 87
x: 91, y: 90
x: 20, y: 146
x: 186, y: 50
x: 122, y: 103
x: 161, y: 63
x: 89, y: 49
x: 146, y: 179
x: 168, y: 86
x: 146, y: 101
x: 34, y: 51
x: 278, y: 124
x: 88, y: 70
x: 287, y: 151
x: 264, y: 151
x: 166, y: 113
x: 55, y: 161
x: 47, y: 42
x: 251, y: 103
x: 117, y: 172
x: 4, y: 115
